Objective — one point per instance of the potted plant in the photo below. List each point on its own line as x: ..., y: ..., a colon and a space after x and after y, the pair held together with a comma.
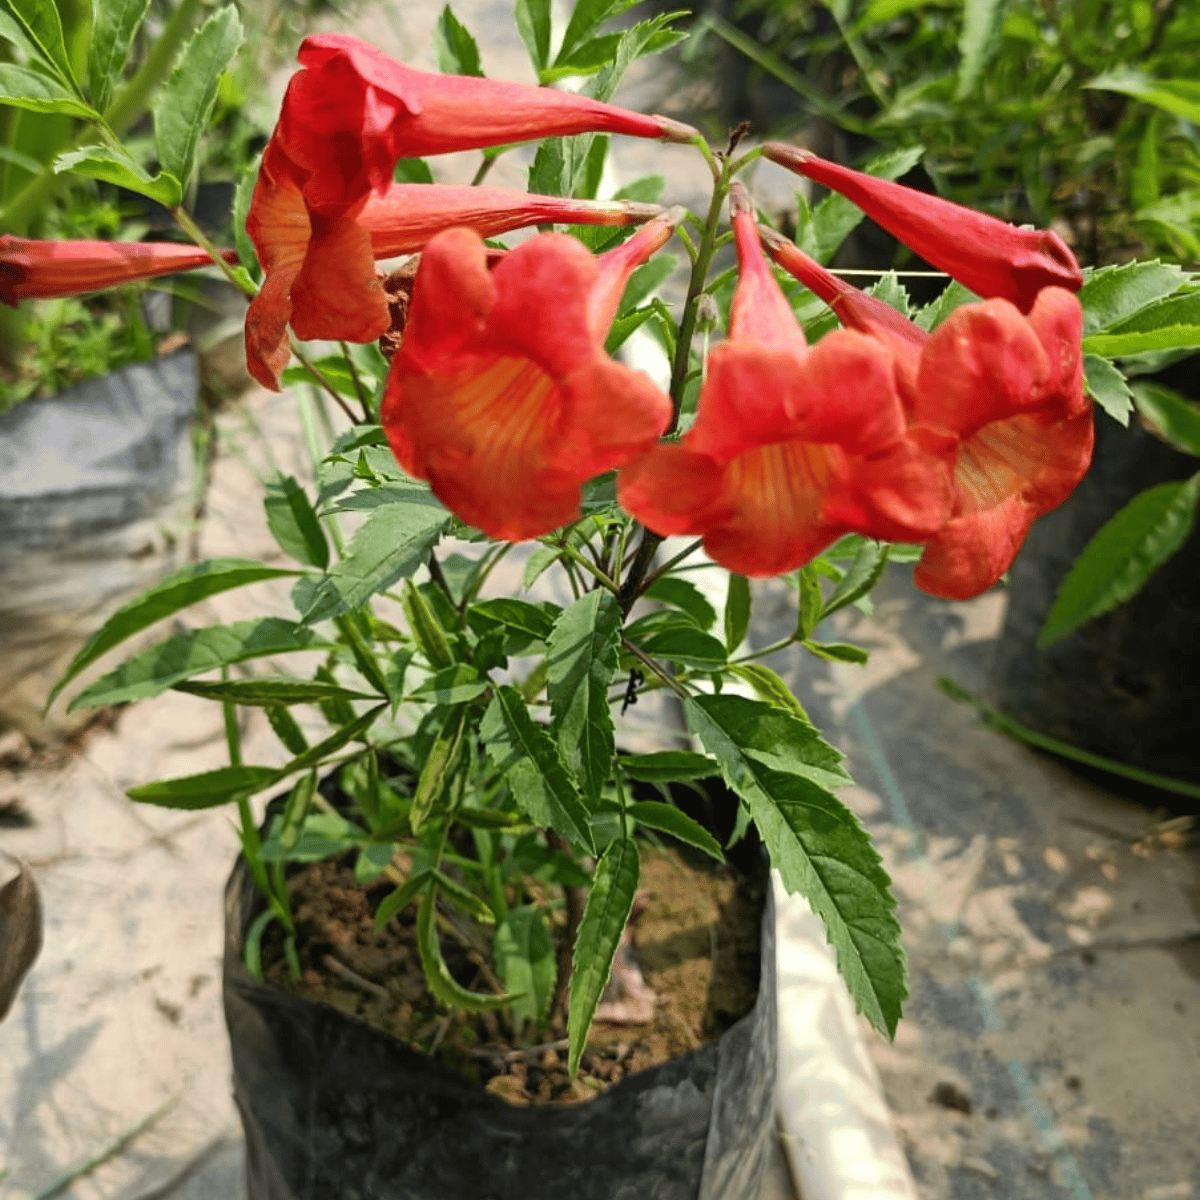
x: 481, y: 795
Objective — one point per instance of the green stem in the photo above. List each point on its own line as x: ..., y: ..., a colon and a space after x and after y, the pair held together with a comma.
x: 242, y: 282
x: 574, y: 555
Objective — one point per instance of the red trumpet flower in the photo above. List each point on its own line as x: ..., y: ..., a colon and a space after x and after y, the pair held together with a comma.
x: 791, y: 447
x: 347, y: 119
x: 1003, y: 392
x: 31, y: 269
x: 501, y: 394
x: 987, y: 255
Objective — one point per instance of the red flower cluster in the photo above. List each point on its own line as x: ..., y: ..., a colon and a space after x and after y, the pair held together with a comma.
x: 324, y: 207
x: 957, y: 439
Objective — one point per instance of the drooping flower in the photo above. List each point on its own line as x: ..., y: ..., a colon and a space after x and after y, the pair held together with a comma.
x: 990, y: 257
x: 347, y: 118
x: 32, y: 269
x: 502, y: 395
x: 1002, y: 391
x: 792, y: 447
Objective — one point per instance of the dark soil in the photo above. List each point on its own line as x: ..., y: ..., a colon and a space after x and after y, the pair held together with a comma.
x: 696, y: 937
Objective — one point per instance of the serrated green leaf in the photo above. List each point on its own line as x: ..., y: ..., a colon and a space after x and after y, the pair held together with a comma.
x: 293, y: 523
x: 152, y: 671
x: 609, y: 903
x: 1169, y: 414
x: 1178, y: 96
x: 666, y: 818
x: 533, y: 24
x: 982, y: 20
x: 581, y: 660
x: 1114, y: 294
x: 688, y: 647
x: 439, y: 765
x: 810, y: 602
x: 23, y: 87
x: 668, y: 766
x: 519, y: 615
x: 953, y: 296
x: 771, y: 688
x: 538, y: 779
x: 1121, y: 345
x: 441, y: 983
x: 426, y: 629
x: 39, y: 24
x: 538, y: 562
x: 113, y: 28
x: 205, y: 790
x: 685, y: 596
x: 817, y: 845
x: 586, y: 18
x: 453, y: 685
x: 113, y: 165
x: 393, y: 541
x: 464, y: 898
x: 321, y: 836
x: 286, y: 729
x: 334, y: 742
x: 861, y: 576
x: 457, y: 52
x: 267, y: 693
x: 526, y: 962
x: 186, y: 101
x: 395, y: 902
x: 177, y: 591
x: 1106, y: 385
x: 1125, y: 552
x: 737, y: 611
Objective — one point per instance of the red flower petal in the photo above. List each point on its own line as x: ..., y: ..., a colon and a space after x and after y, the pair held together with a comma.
x: 989, y: 256
x: 32, y: 269
x: 501, y: 394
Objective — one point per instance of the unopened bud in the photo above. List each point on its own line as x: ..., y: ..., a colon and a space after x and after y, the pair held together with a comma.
x: 707, y: 314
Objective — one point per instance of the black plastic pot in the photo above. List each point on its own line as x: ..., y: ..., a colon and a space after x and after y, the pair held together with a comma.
x: 334, y: 1110
x: 1125, y: 685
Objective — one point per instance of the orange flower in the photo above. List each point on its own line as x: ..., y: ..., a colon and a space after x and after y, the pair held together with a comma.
x: 792, y: 447
x: 347, y: 119
x: 31, y: 269
x: 1002, y: 392
x: 501, y: 394
x: 989, y: 256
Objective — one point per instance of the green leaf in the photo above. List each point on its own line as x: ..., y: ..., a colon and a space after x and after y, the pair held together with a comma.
x: 815, y: 842
x: 267, y: 693
x: 23, y: 87
x: 454, y: 685
x: 518, y: 615
x: 533, y: 24
x: 688, y: 647
x: 1121, y: 345
x: 771, y: 688
x: 953, y: 296
x: 441, y: 983
x: 113, y: 165
x: 1122, y: 555
x: 609, y: 903
x: 1144, y: 180
x: 195, y: 652
x: 205, y: 790
x: 395, y: 902
x: 1169, y: 414
x: 1114, y: 294
x: 810, y: 603
x: 187, y: 98
x: 182, y: 588
x: 835, y: 217
x: 537, y: 777
x: 526, y: 962
x: 838, y: 652
x: 586, y: 19
x: 286, y: 729
x: 393, y: 541
x: 438, y: 767
x: 1106, y: 385
x: 982, y: 20
x: 737, y: 611
x: 41, y: 28
x: 293, y: 523
x: 668, y: 766
x: 113, y: 28
x: 426, y: 629
x: 334, y: 742
x: 1178, y: 96
x: 666, y: 818
x: 863, y: 574
x: 581, y: 660
x: 687, y: 597
x: 464, y: 898
x: 457, y: 53
x: 538, y: 562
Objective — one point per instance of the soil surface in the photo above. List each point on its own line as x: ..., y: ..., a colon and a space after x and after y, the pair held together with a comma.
x: 695, y: 935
